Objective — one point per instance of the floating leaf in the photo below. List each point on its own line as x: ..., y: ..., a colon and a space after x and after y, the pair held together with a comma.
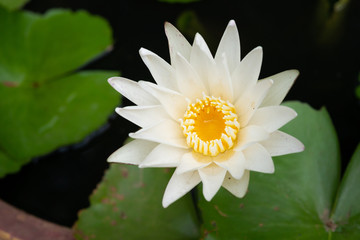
x: 293, y: 203
x: 127, y: 205
x: 345, y: 220
x: 44, y: 104
x: 13, y: 4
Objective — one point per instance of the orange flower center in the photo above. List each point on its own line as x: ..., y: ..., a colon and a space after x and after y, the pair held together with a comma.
x: 210, y: 125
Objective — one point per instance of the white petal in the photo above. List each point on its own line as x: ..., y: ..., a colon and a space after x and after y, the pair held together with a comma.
x: 273, y: 117
x: 192, y: 161
x: 247, y: 104
x: 258, y: 159
x: 143, y: 116
x: 164, y: 156
x: 177, y: 42
x: 173, y: 102
x: 188, y: 81
x: 162, y: 72
x: 282, y: 84
x: 221, y: 85
x: 235, y: 164
x: 212, y: 177
x: 247, y: 72
x: 237, y: 187
x: 250, y: 135
x: 132, y: 91
x: 179, y: 185
x: 132, y: 153
x: 202, y: 61
x: 230, y: 45
x: 167, y: 132
x: 280, y: 143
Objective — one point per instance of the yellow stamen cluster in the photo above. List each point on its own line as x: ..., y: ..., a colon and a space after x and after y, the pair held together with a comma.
x: 210, y: 125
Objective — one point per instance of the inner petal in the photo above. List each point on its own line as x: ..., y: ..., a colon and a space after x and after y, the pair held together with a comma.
x: 210, y: 125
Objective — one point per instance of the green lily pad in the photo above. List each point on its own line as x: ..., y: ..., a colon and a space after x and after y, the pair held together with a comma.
x: 13, y: 4
x: 293, y: 203
x: 127, y: 205
x: 345, y: 219
x: 44, y: 103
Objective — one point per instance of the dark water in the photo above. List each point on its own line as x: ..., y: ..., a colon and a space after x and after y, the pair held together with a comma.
x: 55, y: 187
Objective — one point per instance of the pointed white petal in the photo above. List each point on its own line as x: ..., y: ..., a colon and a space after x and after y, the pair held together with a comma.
x: 167, y: 132
x: 143, y: 116
x: 173, y: 102
x: 215, y: 76
x: 230, y: 45
x: 250, y: 135
x: 192, y: 161
x: 237, y: 187
x: 202, y: 61
x: 212, y: 177
x: 132, y: 91
x: 177, y: 42
x: 282, y: 84
x: 179, y: 185
x: 272, y: 117
x: 247, y: 104
x: 221, y: 84
x: 189, y: 83
x: 164, y: 156
x: 162, y: 72
x: 235, y: 164
x: 247, y: 72
x: 132, y: 153
x: 280, y: 143
x: 258, y: 159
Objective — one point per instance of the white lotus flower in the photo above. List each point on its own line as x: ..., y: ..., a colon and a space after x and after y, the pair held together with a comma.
x: 207, y: 116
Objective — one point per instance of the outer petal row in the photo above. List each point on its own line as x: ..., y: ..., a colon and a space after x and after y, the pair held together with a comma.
x: 143, y: 116
x: 280, y: 143
x: 162, y: 72
x: 179, y: 185
x: 177, y: 42
x: 164, y: 156
x: 133, y: 152
x: 166, y: 132
x: 230, y: 45
x: 282, y: 84
x: 132, y: 91
x: 173, y: 102
x: 247, y: 104
x: 272, y: 117
x: 246, y: 74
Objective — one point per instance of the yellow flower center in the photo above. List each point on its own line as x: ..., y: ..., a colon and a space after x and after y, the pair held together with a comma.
x: 210, y: 125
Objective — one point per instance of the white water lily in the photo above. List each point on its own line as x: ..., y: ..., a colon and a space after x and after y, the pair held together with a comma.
x: 209, y: 117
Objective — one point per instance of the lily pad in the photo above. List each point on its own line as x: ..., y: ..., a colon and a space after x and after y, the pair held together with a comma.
x: 44, y: 103
x: 345, y: 220
x: 127, y: 205
x: 293, y: 203
x: 13, y: 4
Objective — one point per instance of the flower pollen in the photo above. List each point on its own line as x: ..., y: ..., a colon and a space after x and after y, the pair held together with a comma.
x: 210, y: 125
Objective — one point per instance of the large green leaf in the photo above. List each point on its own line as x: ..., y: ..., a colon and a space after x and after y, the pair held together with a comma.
x: 293, y: 203
x: 127, y: 205
x: 35, y: 48
x: 345, y: 220
x: 44, y: 104
x: 13, y: 4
